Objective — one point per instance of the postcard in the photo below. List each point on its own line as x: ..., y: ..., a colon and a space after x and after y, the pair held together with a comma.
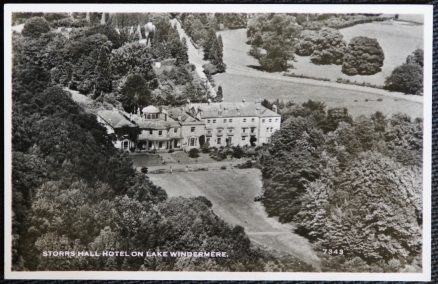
x: 218, y: 142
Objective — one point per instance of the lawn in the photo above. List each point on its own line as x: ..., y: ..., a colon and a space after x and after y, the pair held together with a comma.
x: 241, y: 81
x: 232, y: 194
x: 237, y: 87
x: 397, y: 39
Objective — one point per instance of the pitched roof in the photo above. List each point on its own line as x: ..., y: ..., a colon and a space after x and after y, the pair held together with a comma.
x: 242, y: 109
x: 150, y: 109
x: 158, y: 124
x: 114, y: 118
x: 180, y: 115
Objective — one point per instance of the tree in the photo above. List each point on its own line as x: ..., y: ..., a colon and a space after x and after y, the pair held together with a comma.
x: 329, y: 47
x: 219, y: 95
x: 273, y: 38
x: 135, y: 93
x: 35, y: 26
x: 407, y: 78
x: 181, y: 55
x: 103, y: 82
x: 371, y: 210
x: 363, y: 56
x: 417, y: 57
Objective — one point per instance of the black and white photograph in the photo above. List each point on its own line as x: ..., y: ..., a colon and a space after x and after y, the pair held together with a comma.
x: 233, y: 142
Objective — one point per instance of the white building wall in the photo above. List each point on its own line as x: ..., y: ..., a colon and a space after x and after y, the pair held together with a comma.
x: 268, y: 126
x: 191, y: 138
x: 236, y: 128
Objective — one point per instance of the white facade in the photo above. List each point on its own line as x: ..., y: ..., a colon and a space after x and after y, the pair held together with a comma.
x: 184, y: 128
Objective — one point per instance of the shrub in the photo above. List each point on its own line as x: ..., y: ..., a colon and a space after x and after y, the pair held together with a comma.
x: 144, y: 170
x: 36, y: 26
x: 364, y: 56
x: 408, y: 78
x: 194, y: 153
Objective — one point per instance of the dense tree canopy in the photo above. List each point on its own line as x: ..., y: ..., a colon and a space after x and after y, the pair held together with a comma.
x: 408, y: 77
x: 325, y: 46
x: 350, y: 184
x: 363, y: 56
x: 36, y: 26
x: 272, y: 38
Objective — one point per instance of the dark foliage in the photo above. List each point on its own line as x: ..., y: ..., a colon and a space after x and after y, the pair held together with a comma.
x: 408, y: 77
x: 363, y: 56
x: 36, y: 26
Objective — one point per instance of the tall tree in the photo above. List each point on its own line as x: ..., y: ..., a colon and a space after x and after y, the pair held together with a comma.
x: 103, y: 74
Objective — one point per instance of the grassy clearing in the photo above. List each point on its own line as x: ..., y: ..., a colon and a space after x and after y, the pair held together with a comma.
x: 240, y: 81
x: 232, y: 194
x: 397, y: 39
x: 237, y: 87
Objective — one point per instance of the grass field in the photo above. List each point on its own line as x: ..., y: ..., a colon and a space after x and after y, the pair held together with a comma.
x: 397, y: 39
x: 232, y: 193
x: 240, y: 81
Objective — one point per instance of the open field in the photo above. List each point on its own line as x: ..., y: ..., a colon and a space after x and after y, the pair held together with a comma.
x: 232, y: 193
x: 397, y: 39
x: 240, y: 81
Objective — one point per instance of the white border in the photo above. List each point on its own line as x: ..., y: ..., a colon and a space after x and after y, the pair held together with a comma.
x: 426, y: 10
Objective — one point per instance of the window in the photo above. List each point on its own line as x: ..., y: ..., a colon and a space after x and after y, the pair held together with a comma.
x: 263, y: 120
x: 270, y: 120
x: 230, y: 130
x: 252, y: 129
x: 244, y: 130
x: 208, y: 140
x: 208, y: 131
x: 192, y: 129
x: 267, y: 129
x: 192, y: 142
x: 219, y: 140
x: 252, y: 119
x: 214, y: 120
x: 151, y: 132
x: 276, y: 119
x: 272, y: 129
x: 175, y: 130
x: 219, y: 131
x: 208, y: 121
x: 225, y: 120
x: 160, y: 132
x: 160, y: 144
x: 125, y: 144
x: 244, y: 120
x: 243, y: 138
x: 268, y: 140
x: 230, y: 120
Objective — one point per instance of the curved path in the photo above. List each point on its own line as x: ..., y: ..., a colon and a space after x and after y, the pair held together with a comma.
x: 195, y: 55
x: 232, y: 194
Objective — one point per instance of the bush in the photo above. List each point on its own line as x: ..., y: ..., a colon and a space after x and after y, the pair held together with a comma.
x: 144, y: 170
x: 408, y: 78
x: 194, y: 153
x: 36, y: 26
x: 364, y: 56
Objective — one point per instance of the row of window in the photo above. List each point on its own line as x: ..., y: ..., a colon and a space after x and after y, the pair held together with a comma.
x: 270, y: 120
x: 269, y: 129
x: 244, y: 120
